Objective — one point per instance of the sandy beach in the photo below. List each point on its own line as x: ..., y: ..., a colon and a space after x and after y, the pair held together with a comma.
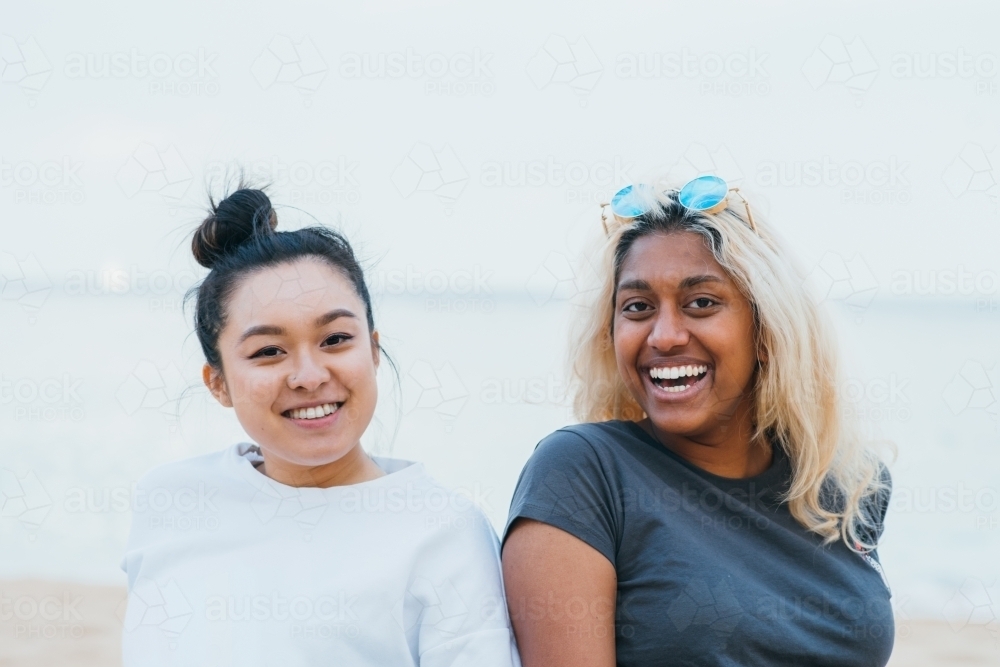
x: 50, y: 624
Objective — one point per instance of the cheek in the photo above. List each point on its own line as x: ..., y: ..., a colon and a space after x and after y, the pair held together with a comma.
x: 357, y: 373
x: 627, y: 343
x: 733, y: 347
x: 254, y: 386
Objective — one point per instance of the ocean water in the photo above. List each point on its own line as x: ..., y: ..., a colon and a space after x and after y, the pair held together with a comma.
x: 98, y: 389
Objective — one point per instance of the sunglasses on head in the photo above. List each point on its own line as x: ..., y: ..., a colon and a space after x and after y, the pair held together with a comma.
x: 704, y: 194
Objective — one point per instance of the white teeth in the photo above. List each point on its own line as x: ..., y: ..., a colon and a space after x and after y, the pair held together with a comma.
x: 314, y: 412
x: 674, y: 372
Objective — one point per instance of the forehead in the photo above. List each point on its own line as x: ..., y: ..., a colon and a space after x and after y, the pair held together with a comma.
x: 669, y: 257
x: 291, y: 290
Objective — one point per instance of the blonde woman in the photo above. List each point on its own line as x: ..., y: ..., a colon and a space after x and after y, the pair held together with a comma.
x: 714, y: 507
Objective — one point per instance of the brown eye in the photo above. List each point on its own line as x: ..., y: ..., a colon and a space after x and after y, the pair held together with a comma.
x: 703, y: 302
x: 336, y: 339
x: 635, y: 307
x: 266, y: 352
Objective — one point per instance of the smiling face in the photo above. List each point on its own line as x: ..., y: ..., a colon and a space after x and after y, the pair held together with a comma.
x: 684, y: 339
x: 298, y: 363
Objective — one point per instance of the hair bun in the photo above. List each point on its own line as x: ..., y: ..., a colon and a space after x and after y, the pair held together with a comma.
x: 236, y: 219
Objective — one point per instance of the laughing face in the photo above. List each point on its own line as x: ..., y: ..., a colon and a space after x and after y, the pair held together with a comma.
x: 684, y: 339
x: 298, y: 365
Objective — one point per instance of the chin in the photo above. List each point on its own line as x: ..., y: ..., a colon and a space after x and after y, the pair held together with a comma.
x: 676, y: 424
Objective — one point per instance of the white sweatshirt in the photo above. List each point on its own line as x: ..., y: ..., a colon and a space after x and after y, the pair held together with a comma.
x: 228, y: 567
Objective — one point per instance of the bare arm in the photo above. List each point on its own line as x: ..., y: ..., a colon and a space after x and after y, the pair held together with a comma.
x: 561, y: 596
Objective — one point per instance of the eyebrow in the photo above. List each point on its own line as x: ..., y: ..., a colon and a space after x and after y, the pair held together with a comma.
x: 692, y: 281
x: 272, y: 330
x: 687, y: 283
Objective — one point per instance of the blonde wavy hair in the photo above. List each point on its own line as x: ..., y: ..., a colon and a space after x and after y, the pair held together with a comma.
x: 839, y: 485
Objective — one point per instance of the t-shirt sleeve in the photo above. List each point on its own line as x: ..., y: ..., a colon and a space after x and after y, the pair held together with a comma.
x: 565, y: 485
x: 456, y: 598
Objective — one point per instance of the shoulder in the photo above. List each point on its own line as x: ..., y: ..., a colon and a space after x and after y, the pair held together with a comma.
x: 185, y: 471
x: 452, y: 518
x: 581, y: 451
x: 582, y: 442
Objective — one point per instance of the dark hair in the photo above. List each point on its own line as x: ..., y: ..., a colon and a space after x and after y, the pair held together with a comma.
x: 238, y: 238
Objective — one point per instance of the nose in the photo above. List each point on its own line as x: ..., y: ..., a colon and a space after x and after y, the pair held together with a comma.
x: 669, y: 330
x: 308, y: 373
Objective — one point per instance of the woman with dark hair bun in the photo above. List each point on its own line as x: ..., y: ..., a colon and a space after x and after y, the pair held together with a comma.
x: 299, y: 548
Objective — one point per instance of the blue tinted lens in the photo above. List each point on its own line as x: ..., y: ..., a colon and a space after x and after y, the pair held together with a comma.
x: 703, y: 193
x: 631, y: 202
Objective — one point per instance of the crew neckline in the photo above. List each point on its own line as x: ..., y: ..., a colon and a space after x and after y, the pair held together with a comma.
x: 244, y: 456
x: 773, y: 476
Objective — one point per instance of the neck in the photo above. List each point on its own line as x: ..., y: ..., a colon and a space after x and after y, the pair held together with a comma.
x: 729, y: 450
x: 353, y: 467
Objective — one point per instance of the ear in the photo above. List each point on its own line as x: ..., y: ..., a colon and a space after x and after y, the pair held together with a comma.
x: 216, y: 383
x: 376, y: 350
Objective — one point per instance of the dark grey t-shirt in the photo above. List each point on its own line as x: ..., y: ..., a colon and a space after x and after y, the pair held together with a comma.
x: 711, y: 571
